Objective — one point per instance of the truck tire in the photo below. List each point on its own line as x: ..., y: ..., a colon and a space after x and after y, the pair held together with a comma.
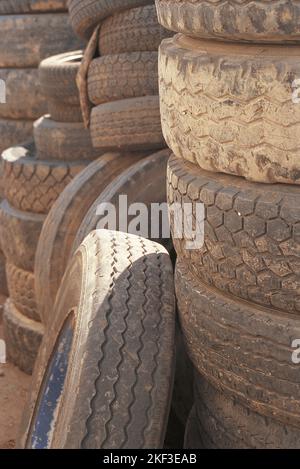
x: 21, y: 291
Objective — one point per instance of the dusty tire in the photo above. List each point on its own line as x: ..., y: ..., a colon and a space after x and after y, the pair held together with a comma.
x: 251, y: 235
x: 242, y: 349
x: 250, y: 129
x: 63, y: 221
x: 130, y: 124
x: 31, y: 38
x: 58, y: 77
x: 14, y: 131
x: 61, y: 112
x: 85, y: 15
x: 22, y: 336
x: 24, y: 97
x: 122, y: 76
x: 62, y: 141
x: 132, y: 30
x: 258, y: 21
x: 19, y: 233
x: 13, y: 7
x: 140, y: 331
x: 3, y: 280
x: 34, y: 185
x: 21, y: 291
x: 226, y: 424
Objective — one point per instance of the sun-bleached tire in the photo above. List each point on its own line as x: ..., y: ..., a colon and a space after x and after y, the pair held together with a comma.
x: 34, y: 185
x: 130, y: 124
x: 131, y: 30
x: 122, y: 76
x: 251, y: 243
x: 23, y: 337
x: 123, y: 337
x: 13, y: 7
x: 238, y: 20
x: 61, y: 112
x: 244, y: 350
x: 14, y: 131
x: 229, y: 107
x: 21, y: 290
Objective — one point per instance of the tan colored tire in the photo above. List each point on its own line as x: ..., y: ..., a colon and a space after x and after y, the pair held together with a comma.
x: 14, y: 131
x: 13, y: 7
x: 61, y: 112
x: 238, y: 20
x: 21, y: 291
x: 229, y: 107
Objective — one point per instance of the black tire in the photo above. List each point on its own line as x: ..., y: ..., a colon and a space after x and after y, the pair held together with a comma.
x: 85, y: 15
x: 251, y: 235
x: 130, y: 124
x: 242, y: 349
x: 13, y: 7
x: 131, y: 30
x: 122, y: 76
x: 14, y: 131
x: 121, y: 354
x: 21, y: 291
x: 258, y: 21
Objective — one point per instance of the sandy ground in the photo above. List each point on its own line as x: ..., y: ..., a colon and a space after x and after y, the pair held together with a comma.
x: 13, y: 389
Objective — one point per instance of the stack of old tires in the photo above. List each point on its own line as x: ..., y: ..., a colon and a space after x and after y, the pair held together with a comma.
x: 229, y: 116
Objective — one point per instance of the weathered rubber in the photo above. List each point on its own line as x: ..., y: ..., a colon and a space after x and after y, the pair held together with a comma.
x: 21, y: 291
x: 13, y: 7
x: 14, y: 131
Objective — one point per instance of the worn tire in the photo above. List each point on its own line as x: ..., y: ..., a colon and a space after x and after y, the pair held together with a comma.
x: 33, y: 185
x: 251, y: 243
x: 14, y: 7
x: 121, y: 76
x: 211, y: 116
x: 121, y: 354
x: 63, y: 221
x: 31, y: 38
x: 19, y: 234
x: 23, y: 337
x: 62, y: 141
x: 85, y: 15
x: 226, y: 424
x: 192, y: 435
x: 3, y: 280
x: 61, y: 112
x: 14, y: 131
x: 130, y: 124
x: 21, y: 291
x: 242, y: 349
x: 131, y: 30
x: 238, y: 20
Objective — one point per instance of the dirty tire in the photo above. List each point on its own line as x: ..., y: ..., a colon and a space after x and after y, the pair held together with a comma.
x: 13, y: 7
x: 101, y: 279
x: 226, y: 424
x: 14, y: 131
x: 192, y: 436
x: 19, y: 233
x: 63, y: 221
x: 58, y: 77
x: 251, y: 235
x: 21, y: 291
x: 243, y: 349
x: 238, y: 20
x: 132, y: 30
x: 62, y: 140
x: 23, y: 337
x: 24, y: 97
x: 222, y: 123
x: 3, y: 280
x: 85, y: 15
x: 31, y: 38
x: 61, y: 112
x: 130, y: 124
x: 33, y: 185
x: 121, y: 76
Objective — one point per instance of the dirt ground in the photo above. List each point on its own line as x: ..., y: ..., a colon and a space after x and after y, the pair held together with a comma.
x: 13, y: 389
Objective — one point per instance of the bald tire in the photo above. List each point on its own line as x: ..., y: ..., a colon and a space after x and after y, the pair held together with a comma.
x: 124, y: 340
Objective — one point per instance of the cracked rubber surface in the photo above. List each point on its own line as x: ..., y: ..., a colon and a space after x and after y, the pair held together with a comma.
x: 124, y: 340
x: 21, y: 291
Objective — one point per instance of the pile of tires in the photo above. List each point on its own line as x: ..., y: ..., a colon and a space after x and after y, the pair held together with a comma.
x: 227, y: 92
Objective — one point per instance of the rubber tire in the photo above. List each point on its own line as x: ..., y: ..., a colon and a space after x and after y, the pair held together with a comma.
x: 58, y: 77
x: 121, y: 76
x: 63, y: 221
x: 21, y: 291
x: 249, y: 129
x: 258, y: 21
x: 14, y: 131
x: 100, y: 280
x: 242, y: 349
x: 130, y: 124
x: 251, y: 235
x: 132, y: 30
x: 31, y: 38
x: 33, y: 185
x: 61, y: 112
x: 62, y: 141
x: 14, y: 7
x: 24, y: 97
x: 3, y: 280
x: 19, y: 234
x: 22, y: 337
x: 85, y: 15
x: 192, y: 435
x: 225, y: 424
